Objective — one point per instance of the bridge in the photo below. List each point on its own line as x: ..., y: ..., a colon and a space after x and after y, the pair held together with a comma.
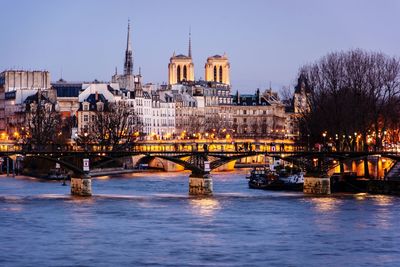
x: 200, y: 159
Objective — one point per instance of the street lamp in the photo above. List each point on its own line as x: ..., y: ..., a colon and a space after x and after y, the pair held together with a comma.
x: 86, y: 141
x: 324, y: 135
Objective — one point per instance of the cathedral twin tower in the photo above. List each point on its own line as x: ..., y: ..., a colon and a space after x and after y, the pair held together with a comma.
x: 181, y: 68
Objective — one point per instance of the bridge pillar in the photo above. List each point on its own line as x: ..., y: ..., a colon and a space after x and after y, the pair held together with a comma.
x: 317, y: 185
x: 200, y: 184
x: 81, y: 186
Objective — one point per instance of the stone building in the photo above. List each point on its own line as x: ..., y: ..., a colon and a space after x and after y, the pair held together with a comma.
x: 15, y: 87
x: 163, y: 111
x: 88, y: 109
x: 261, y: 115
x: 188, y: 117
x: 92, y: 98
x: 296, y: 107
x: 181, y: 67
x: 127, y: 79
x: 217, y: 69
x: 67, y: 97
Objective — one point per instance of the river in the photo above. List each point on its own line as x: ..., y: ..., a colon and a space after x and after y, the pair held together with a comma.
x: 149, y: 219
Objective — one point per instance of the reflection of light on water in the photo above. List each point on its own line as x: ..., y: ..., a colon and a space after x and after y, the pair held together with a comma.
x: 13, y: 209
x: 52, y: 196
x: 383, y: 216
x: 325, y: 204
x: 204, y: 206
x: 383, y: 200
x: 104, y: 177
x: 360, y: 196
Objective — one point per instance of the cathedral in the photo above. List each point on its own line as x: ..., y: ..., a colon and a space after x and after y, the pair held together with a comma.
x: 127, y: 80
x: 181, y: 68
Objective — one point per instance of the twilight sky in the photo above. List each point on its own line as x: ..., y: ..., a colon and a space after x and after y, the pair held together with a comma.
x: 266, y: 41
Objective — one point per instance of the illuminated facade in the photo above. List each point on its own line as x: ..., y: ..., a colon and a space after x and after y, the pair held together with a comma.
x: 259, y: 115
x: 217, y: 69
x: 180, y: 68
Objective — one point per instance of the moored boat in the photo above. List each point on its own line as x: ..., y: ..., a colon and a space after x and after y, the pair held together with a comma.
x: 57, y: 174
x: 263, y: 178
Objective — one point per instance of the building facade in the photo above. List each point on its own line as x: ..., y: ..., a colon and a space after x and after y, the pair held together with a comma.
x: 15, y: 87
x: 217, y: 69
x: 261, y: 115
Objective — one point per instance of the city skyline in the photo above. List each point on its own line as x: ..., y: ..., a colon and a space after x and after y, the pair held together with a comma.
x: 266, y: 42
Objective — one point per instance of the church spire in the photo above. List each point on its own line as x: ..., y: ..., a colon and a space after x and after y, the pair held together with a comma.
x: 128, y: 65
x: 190, y: 43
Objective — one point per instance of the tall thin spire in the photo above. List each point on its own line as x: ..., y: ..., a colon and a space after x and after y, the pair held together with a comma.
x: 128, y: 65
x: 190, y: 43
x: 128, y: 39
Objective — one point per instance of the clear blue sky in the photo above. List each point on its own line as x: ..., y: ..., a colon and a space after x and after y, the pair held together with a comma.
x: 266, y: 41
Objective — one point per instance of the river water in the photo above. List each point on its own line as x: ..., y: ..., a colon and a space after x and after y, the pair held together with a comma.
x: 149, y: 219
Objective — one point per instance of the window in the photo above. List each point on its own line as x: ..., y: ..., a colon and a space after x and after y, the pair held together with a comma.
x: 220, y: 74
x: 85, y: 106
x: 215, y: 73
x: 244, y: 112
x: 184, y: 73
x: 178, y: 74
x: 86, y: 118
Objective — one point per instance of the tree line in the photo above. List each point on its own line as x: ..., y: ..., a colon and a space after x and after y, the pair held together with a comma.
x: 352, y: 100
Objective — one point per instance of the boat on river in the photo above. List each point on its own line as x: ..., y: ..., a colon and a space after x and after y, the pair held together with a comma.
x: 264, y: 178
x: 57, y: 175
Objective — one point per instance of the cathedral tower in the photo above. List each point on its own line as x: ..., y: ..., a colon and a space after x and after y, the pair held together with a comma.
x: 217, y: 69
x: 128, y: 65
x: 181, y: 67
x: 126, y: 80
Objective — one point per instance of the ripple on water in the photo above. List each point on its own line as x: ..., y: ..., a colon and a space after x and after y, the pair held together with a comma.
x: 150, y: 219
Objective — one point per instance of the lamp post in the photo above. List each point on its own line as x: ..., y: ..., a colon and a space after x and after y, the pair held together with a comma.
x: 324, y: 135
x: 86, y: 141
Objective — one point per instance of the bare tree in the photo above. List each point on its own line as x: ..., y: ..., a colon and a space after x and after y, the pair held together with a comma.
x: 286, y: 94
x: 354, y: 96
x: 115, y: 127
x: 42, y: 124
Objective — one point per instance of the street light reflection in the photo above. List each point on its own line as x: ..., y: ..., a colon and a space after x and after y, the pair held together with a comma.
x: 204, y: 207
x: 325, y: 204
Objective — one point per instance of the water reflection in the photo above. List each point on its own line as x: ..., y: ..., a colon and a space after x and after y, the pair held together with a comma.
x: 383, y: 215
x: 151, y: 220
x: 361, y: 196
x: 382, y: 200
x: 204, y: 207
x: 326, y: 204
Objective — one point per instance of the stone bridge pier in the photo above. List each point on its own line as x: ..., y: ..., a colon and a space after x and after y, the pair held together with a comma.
x: 200, y: 184
x: 200, y: 181
x: 81, y: 186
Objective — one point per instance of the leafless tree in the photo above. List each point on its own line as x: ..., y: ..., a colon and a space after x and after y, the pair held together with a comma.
x: 286, y: 94
x: 42, y: 125
x: 354, y: 97
x: 115, y: 127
